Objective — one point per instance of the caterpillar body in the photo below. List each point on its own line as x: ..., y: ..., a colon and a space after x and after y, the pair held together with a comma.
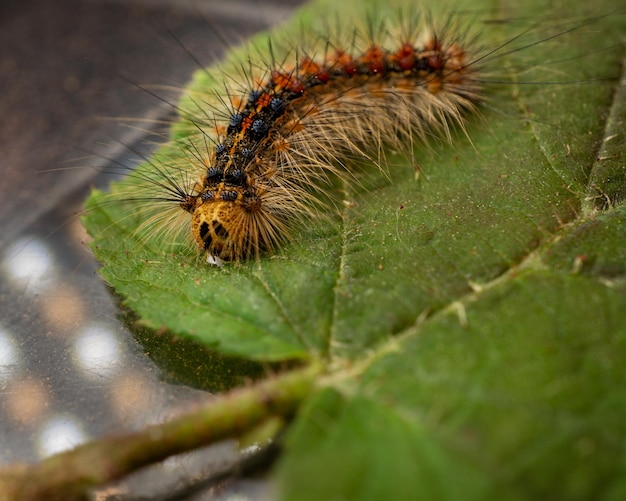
x: 291, y: 131
x: 265, y: 150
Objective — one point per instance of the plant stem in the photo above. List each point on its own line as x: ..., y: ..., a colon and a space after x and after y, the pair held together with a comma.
x: 69, y: 475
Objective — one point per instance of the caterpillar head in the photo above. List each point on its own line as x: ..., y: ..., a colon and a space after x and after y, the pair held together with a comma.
x: 233, y: 224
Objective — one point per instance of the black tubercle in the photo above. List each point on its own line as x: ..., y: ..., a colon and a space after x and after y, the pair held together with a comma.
x: 254, y: 96
x: 246, y: 154
x: 235, y: 177
x: 228, y: 196
x: 259, y: 129
x: 277, y: 104
x: 235, y: 123
x: 214, y: 175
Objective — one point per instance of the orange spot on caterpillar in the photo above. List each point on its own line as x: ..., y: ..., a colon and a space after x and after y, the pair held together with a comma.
x: 310, y: 67
x: 247, y: 123
x: 405, y: 57
x: 282, y: 81
x: 375, y: 60
x: 263, y: 101
x: 344, y: 61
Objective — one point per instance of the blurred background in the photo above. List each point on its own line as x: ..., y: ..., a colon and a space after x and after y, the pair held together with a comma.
x: 82, y: 84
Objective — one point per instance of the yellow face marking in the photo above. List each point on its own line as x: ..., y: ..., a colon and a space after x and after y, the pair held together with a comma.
x: 211, y: 226
x: 219, y: 224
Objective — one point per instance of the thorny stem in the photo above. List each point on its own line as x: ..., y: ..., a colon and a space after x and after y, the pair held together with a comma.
x: 69, y: 475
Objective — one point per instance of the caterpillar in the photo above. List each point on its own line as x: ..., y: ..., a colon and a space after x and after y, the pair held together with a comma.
x: 267, y: 146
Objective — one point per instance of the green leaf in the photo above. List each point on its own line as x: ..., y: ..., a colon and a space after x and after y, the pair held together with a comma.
x: 472, y: 318
x: 525, y: 400
x: 365, y: 450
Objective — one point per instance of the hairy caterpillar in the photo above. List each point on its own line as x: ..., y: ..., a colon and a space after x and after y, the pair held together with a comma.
x: 265, y: 147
